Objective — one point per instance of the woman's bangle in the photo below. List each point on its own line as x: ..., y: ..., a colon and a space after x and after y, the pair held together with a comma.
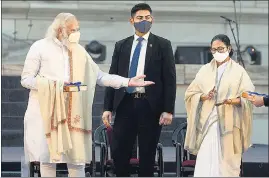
x: 203, y: 97
x: 230, y: 101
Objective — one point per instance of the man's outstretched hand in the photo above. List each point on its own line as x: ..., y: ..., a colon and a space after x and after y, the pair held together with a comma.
x: 137, y: 82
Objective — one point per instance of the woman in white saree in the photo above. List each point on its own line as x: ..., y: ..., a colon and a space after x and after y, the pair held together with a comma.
x: 219, y: 119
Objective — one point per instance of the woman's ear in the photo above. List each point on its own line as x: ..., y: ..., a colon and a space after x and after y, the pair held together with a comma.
x: 229, y: 49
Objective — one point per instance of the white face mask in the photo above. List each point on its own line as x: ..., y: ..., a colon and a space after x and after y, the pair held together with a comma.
x: 71, y: 40
x: 220, y: 57
x: 74, y: 37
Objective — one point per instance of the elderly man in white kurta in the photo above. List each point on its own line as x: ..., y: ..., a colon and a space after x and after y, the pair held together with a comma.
x: 57, y: 124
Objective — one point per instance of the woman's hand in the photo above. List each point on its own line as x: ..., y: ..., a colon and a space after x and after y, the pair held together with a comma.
x: 234, y: 101
x: 210, y: 95
x: 228, y: 101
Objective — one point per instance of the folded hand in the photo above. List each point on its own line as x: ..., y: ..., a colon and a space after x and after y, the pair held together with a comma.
x: 107, y: 118
x: 210, y: 95
x: 165, y: 118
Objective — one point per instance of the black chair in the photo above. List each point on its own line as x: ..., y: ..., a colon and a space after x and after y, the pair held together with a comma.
x: 34, y: 168
x: 103, y: 139
x: 185, y: 162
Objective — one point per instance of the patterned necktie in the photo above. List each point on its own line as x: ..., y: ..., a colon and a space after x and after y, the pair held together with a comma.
x: 134, y: 63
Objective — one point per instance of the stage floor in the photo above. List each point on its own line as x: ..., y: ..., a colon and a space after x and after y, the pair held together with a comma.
x: 255, y: 162
x: 257, y: 153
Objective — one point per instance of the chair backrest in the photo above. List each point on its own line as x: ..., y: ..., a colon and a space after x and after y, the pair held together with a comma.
x: 104, y: 134
x: 178, y: 136
x: 101, y: 135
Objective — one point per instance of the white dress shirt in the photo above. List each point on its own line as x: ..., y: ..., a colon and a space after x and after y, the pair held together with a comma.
x: 142, y: 58
x: 49, y: 58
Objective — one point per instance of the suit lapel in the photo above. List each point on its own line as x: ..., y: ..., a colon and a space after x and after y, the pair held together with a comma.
x: 126, y: 55
x: 149, y: 51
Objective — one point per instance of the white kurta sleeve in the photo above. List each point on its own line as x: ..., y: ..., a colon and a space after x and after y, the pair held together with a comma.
x: 111, y: 80
x: 31, y: 67
x: 108, y: 80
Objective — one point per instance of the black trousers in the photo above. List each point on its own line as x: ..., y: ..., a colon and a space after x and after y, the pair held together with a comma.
x: 134, y: 117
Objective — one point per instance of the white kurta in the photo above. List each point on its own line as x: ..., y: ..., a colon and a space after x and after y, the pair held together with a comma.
x: 209, y: 162
x: 49, y: 58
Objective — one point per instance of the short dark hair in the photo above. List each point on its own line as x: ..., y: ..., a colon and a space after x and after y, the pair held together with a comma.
x: 225, y: 39
x: 140, y: 6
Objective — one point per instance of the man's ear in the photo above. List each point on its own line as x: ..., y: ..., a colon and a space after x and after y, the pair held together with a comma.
x: 131, y: 20
x: 60, y: 30
x: 152, y: 19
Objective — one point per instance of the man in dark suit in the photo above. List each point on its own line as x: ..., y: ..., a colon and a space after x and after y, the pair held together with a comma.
x: 142, y: 110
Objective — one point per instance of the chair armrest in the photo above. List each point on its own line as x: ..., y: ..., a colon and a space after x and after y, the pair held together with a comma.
x: 103, y: 151
x: 103, y: 158
x: 177, y: 131
x: 93, y: 160
x: 160, y: 157
x: 97, y: 143
x: 159, y: 147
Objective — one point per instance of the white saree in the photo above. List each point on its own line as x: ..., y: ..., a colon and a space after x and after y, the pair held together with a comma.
x: 218, y: 135
x: 209, y: 157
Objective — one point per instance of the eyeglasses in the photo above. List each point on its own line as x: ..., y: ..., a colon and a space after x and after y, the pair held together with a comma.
x: 219, y: 49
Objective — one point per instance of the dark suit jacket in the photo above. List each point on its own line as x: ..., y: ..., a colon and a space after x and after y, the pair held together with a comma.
x: 159, y: 68
x: 266, y: 100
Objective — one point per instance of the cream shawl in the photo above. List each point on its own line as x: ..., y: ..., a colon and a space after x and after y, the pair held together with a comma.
x: 235, y: 121
x: 67, y: 117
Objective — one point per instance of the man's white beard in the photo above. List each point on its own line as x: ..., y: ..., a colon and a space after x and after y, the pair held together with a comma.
x: 66, y: 42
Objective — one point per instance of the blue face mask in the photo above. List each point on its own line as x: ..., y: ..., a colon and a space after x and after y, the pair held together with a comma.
x: 143, y: 26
